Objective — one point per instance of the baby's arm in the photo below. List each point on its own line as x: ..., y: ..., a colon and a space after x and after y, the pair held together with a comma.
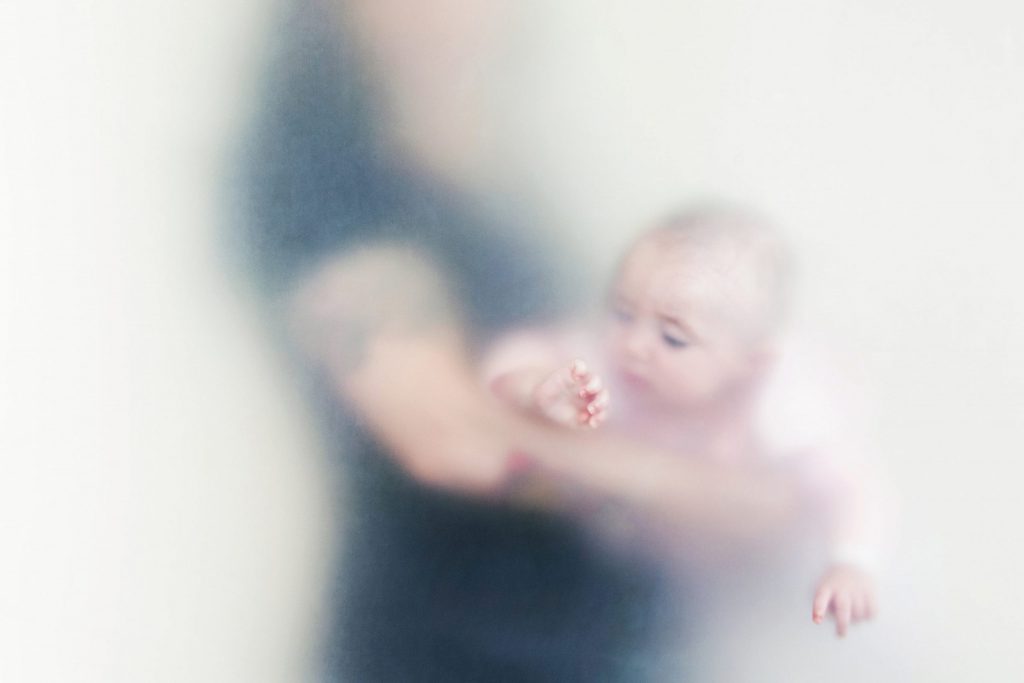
x: 524, y: 371
x: 812, y: 415
x: 847, y: 590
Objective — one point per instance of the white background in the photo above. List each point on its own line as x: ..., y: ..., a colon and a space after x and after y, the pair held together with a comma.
x: 164, y: 511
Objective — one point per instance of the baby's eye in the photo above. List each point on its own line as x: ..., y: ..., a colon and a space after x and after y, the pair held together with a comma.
x: 674, y: 341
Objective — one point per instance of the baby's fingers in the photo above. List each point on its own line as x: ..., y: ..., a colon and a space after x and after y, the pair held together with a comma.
x: 593, y: 401
x: 598, y: 405
x: 595, y: 411
x: 821, y: 600
x: 579, y: 372
x: 590, y: 388
x: 864, y: 606
x: 858, y: 608
x: 842, y: 609
x: 870, y: 606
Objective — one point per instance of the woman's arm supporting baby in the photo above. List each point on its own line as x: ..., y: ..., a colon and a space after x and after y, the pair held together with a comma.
x: 360, y: 316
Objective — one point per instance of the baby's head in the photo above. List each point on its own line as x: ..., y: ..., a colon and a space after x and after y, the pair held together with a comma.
x: 696, y: 304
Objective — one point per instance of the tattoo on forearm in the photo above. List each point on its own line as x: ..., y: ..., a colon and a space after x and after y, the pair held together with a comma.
x: 364, y: 294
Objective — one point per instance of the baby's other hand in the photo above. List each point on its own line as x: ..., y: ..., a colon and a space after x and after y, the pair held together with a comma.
x: 573, y: 396
x: 848, y: 593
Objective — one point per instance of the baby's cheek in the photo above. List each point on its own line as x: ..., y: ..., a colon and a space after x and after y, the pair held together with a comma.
x: 704, y: 387
x: 688, y: 379
x: 683, y: 392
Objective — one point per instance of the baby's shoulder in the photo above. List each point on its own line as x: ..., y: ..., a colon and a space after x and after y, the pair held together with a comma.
x: 808, y: 402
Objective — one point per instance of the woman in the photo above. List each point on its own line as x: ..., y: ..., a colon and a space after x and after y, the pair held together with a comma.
x: 391, y: 282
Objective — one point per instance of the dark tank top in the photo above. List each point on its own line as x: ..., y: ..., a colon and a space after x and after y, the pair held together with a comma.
x: 431, y: 586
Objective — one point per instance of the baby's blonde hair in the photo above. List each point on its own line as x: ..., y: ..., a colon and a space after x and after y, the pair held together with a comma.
x: 748, y: 260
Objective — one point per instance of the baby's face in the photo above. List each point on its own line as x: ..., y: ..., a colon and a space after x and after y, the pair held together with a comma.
x: 670, y: 345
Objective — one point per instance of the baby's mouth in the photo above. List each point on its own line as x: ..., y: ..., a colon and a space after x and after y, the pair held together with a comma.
x: 633, y: 380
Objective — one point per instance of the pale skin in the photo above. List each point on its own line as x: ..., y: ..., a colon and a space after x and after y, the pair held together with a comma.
x: 380, y: 320
x: 846, y: 593
x: 461, y: 439
x: 465, y: 440
x: 688, y: 371
x: 571, y: 396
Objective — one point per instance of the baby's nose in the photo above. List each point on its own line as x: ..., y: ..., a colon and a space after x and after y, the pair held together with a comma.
x: 637, y: 343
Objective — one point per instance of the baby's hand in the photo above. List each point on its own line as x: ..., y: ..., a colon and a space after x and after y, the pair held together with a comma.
x: 848, y: 593
x: 573, y: 397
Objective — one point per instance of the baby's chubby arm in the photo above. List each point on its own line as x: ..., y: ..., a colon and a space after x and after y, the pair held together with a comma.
x: 847, y: 590
x: 813, y: 416
x: 525, y: 372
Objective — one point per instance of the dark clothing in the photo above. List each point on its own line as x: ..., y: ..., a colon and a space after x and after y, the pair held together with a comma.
x: 432, y: 586
x: 441, y: 588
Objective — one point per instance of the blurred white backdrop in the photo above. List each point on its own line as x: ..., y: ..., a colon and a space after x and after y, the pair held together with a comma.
x: 163, y: 507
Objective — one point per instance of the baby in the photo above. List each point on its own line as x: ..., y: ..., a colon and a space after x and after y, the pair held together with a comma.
x: 690, y: 358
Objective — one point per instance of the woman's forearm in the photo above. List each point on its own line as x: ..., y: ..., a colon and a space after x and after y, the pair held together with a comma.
x: 380, y: 323
x: 424, y: 402
x: 667, y: 489
x: 421, y: 400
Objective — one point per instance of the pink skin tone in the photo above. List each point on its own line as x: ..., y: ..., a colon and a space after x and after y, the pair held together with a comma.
x: 674, y: 358
x: 431, y: 62
x: 682, y: 375
x: 573, y: 397
x: 569, y: 396
x: 847, y: 593
x: 424, y: 55
x: 679, y: 358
